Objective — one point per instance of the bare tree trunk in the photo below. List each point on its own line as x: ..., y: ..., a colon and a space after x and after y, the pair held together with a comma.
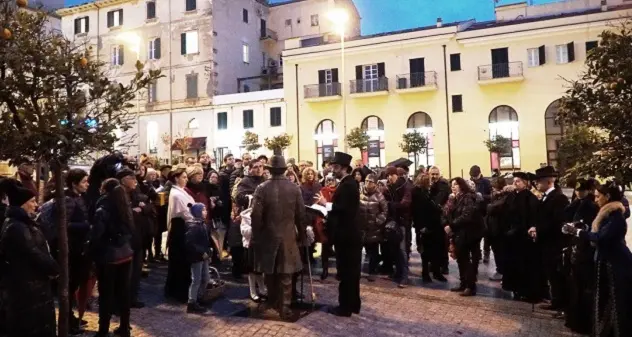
x: 64, y: 305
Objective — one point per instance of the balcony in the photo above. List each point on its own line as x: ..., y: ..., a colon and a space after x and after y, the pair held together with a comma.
x: 268, y: 34
x: 500, y: 73
x: 369, y: 87
x: 417, y: 82
x: 323, y: 92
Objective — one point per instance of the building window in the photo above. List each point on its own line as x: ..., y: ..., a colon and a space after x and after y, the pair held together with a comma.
x: 590, y: 45
x: 189, y: 43
x: 193, y: 124
x: 152, y: 92
x: 115, y: 18
x: 249, y: 122
x: 326, y: 140
x: 118, y: 55
x: 455, y: 62
x: 457, y: 103
x: 554, y: 133
x: 153, y: 50
x: 245, y: 53
x: 152, y: 137
x: 565, y: 53
x: 314, y: 19
x: 536, y: 56
x: 246, y: 88
x: 222, y: 121
x: 375, y: 154
x: 192, y: 86
x: 151, y: 10
x: 191, y: 5
x: 244, y: 15
x: 288, y: 22
x: 422, y: 123
x: 503, y: 121
x: 275, y: 116
x: 82, y: 25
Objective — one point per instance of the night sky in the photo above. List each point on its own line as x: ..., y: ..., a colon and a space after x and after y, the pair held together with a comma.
x: 388, y: 15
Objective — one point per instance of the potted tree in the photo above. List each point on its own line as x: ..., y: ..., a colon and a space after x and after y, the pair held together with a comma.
x: 500, y: 145
x: 251, y: 141
x: 358, y: 139
x: 278, y: 144
x: 413, y: 142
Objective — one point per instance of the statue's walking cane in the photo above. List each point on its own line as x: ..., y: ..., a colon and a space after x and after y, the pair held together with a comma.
x: 311, y: 283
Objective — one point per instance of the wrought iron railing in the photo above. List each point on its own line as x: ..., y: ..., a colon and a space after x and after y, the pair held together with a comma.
x: 499, y: 70
x: 416, y: 80
x: 322, y: 90
x: 369, y: 85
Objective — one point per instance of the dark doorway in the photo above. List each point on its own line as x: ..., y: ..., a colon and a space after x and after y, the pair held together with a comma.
x: 500, y: 62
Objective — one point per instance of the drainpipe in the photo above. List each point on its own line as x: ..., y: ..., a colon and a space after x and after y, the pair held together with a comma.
x: 298, y: 125
x: 447, y: 110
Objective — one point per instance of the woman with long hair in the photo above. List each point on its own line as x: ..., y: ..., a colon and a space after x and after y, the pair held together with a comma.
x: 310, y: 187
x: 426, y: 216
x: 112, y: 252
x: 321, y: 232
x: 612, y: 315
x: 464, y: 222
x: 292, y: 176
x: 178, y: 213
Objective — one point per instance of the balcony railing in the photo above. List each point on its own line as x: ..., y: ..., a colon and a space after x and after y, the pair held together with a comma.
x: 369, y: 85
x: 269, y: 34
x: 499, y: 70
x: 322, y: 90
x: 416, y: 80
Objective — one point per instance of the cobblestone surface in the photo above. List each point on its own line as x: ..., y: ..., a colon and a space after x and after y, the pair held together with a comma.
x: 419, y: 310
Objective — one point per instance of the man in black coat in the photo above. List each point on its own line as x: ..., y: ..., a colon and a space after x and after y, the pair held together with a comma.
x: 548, y: 233
x: 440, y: 192
x: 343, y: 224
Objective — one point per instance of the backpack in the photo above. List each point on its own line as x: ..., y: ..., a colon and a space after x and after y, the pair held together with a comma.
x: 46, y: 220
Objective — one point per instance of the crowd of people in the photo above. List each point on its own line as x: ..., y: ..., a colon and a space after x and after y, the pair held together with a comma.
x: 265, y: 214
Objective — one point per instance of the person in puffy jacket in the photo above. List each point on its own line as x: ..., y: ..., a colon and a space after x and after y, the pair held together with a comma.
x: 198, y: 250
x: 373, y: 212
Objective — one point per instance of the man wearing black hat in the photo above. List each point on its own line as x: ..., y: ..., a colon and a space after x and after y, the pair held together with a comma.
x: 343, y: 225
x: 548, y: 233
x: 277, y: 217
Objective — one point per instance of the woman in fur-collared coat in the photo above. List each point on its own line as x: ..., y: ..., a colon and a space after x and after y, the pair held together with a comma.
x: 612, y: 316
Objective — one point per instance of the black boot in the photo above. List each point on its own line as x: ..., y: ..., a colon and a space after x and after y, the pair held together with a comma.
x: 460, y: 288
x: 425, y: 277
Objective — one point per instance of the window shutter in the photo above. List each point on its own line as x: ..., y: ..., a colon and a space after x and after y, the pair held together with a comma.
x: 358, y: 72
x: 191, y: 5
x: 321, y: 76
x: 110, y: 19
x: 77, y: 26
x: 120, y: 17
x: 183, y: 43
x: 157, y: 49
x: 571, y: 52
x: 121, y: 55
x: 455, y: 62
x: 542, y: 54
x: 86, y: 23
x: 334, y: 75
x: 457, y: 103
x: 151, y: 10
x: 381, y: 72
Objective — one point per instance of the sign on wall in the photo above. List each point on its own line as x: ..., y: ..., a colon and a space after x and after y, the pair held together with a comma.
x: 328, y: 151
x: 374, y: 149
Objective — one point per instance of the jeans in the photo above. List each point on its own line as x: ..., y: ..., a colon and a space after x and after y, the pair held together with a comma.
x: 373, y: 254
x: 200, y: 277
x: 114, y: 289
x: 401, y: 258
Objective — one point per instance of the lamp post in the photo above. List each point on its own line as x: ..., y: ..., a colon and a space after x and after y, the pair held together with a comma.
x: 339, y: 18
x: 133, y: 42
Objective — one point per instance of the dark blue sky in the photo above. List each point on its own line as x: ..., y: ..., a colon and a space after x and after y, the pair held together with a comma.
x: 380, y: 16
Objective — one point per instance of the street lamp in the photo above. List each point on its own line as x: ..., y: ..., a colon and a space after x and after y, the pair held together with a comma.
x: 132, y: 40
x: 339, y: 17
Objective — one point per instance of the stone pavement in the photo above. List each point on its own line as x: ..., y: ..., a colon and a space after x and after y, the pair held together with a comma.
x: 428, y: 310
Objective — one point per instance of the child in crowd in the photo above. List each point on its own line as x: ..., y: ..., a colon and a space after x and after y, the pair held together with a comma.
x: 198, y: 246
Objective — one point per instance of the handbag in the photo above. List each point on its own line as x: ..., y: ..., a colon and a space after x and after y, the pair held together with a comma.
x: 392, y: 232
x: 119, y: 250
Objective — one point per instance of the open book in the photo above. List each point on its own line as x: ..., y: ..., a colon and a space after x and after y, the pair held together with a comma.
x: 319, y: 209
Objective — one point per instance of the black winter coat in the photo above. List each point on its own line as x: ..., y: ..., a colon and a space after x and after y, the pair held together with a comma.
x: 109, y: 225
x: 224, y: 183
x: 198, y: 241
x: 78, y: 224
x: 499, y: 213
x: 440, y: 192
x: 342, y: 220
x: 399, y: 200
x: 30, y: 304
x: 550, y: 218
x: 464, y: 217
x: 426, y: 213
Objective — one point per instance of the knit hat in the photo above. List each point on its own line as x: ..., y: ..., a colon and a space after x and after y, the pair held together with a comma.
x: 194, y: 169
x: 19, y: 195
x: 124, y: 173
x: 196, y: 210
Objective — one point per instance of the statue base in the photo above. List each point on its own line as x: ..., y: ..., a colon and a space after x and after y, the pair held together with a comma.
x: 299, y: 310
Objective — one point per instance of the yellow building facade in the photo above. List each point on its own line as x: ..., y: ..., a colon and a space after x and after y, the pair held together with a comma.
x: 458, y: 84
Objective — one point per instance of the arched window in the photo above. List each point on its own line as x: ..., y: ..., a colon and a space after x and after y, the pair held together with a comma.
x: 193, y: 124
x: 503, y: 120
x: 554, y: 132
x: 326, y: 141
x: 375, y: 155
x: 422, y: 123
x: 152, y: 137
